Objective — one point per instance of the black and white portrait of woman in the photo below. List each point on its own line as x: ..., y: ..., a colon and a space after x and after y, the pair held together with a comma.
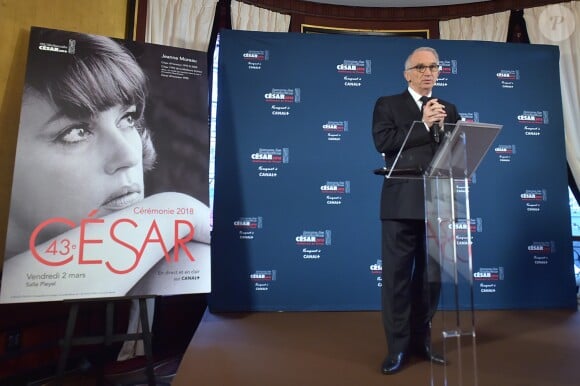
x: 110, y: 184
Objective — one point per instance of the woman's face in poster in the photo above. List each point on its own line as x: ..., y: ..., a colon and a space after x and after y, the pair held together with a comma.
x: 67, y: 167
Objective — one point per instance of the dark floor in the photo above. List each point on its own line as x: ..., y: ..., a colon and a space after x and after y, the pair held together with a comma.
x: 176, y: 319
x: 514, y: 348
x: 87, y: 372
x: 527, y: 347
x: 128, y: 373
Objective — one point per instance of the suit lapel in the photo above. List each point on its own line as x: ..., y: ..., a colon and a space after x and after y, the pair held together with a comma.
x: 411, y: 106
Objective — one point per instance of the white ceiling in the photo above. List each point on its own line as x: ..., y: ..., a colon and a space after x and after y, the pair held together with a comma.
x: 394, y: 3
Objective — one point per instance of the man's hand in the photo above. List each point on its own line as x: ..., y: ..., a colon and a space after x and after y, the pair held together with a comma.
x: 434, y: 112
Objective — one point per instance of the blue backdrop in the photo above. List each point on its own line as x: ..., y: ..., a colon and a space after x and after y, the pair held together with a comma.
x: 296, y: 205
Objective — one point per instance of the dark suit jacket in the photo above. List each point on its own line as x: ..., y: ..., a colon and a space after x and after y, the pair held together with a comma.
x: 393, y: 116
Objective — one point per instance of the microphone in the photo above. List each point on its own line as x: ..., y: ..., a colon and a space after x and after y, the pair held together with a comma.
x: 435, y: 132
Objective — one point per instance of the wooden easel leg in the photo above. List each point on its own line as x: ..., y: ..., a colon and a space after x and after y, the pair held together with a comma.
x: 67, y: 342
x: 107, y: 339
x: 147, y: 341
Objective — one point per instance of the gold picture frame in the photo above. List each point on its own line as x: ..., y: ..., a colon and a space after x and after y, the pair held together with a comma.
x: 411, y: 33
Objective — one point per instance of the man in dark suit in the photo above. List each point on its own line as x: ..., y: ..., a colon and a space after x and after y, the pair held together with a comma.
x: 409, y: 300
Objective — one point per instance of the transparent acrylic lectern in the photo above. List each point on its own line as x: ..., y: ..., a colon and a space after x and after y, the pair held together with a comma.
x: 448, y: 241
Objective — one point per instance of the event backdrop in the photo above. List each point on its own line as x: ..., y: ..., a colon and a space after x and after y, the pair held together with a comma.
x: 85, y: 220
x: 296, y: 210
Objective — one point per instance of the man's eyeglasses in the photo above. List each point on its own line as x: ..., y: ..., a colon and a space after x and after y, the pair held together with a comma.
x: 421, y: 68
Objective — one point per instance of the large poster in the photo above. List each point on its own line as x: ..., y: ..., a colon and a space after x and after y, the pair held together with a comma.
x: 296, y: 211
x: 110, y: 188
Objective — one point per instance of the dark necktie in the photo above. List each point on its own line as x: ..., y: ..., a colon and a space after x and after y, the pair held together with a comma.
x: 424, y: 99
x: 434, y: 130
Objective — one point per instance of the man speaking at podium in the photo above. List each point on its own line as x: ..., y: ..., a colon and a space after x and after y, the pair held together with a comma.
x: 408, y: 304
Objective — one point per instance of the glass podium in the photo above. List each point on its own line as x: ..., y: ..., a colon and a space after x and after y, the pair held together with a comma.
x: 449, y: 229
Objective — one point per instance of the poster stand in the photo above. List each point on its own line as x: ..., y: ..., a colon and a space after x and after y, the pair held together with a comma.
x: 108, y: 337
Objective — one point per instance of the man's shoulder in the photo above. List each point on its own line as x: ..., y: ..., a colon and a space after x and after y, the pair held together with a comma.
x: 394, y: 97
x: 445, y: 102
x: 451, y: 109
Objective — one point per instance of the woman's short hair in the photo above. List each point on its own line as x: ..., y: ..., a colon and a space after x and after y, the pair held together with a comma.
x: 88, y: 74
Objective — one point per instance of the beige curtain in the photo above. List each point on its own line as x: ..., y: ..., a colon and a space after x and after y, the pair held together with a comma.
x: 180, y: 23
x: 493, y: 28
x: 559, y: 24
x: 251, y: 18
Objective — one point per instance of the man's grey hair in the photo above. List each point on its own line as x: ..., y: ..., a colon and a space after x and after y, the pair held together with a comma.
x: 429, y: 49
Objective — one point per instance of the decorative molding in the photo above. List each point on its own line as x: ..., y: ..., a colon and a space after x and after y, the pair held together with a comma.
x: 414, y: 33
x: 439, y: 13
x: 431, y: 25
